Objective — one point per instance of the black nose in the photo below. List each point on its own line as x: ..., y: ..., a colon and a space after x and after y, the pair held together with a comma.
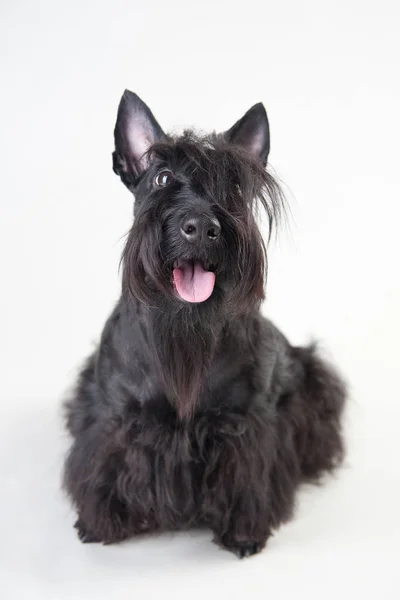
x: 200, y: 230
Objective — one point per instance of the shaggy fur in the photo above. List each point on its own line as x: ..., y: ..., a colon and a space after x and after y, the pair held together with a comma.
x: 197, y: 413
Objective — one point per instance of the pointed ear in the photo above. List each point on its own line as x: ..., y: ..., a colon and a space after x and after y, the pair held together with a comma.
x: 136, y: 130
x: 252, y: 132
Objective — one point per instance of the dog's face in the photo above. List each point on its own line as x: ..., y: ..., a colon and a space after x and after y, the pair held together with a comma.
x: 194, y: 239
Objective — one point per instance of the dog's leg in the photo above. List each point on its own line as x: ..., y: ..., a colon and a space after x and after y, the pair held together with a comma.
x: 90, y: 480
x: 110, y: 499
x: 236, y: 501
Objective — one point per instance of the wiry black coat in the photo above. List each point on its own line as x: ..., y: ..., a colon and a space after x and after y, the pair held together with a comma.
x: 193, y: 414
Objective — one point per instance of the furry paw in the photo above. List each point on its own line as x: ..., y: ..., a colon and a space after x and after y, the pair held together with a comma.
x: 85, y: 535
x: 242, y: 548
x: 245, y: 549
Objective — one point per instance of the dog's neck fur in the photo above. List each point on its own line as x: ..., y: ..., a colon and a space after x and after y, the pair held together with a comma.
x: 184, y: 343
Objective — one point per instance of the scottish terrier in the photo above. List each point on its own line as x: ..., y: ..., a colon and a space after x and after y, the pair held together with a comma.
x: 195, y: 410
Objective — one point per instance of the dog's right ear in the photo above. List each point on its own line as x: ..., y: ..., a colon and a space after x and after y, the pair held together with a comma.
x: 136, y: 130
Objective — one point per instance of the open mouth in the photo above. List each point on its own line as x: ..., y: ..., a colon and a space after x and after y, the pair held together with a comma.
x: 194, y: 281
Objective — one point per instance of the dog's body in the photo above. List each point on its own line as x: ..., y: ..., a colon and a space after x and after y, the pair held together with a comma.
x: 195, y: 409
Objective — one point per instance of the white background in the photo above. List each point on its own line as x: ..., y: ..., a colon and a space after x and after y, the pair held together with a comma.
x: 328, y: 73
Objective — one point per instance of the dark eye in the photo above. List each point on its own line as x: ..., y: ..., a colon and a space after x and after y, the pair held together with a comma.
x: 163, y: 178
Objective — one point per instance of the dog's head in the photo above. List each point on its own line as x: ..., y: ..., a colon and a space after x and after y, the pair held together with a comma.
x: 195, y: 238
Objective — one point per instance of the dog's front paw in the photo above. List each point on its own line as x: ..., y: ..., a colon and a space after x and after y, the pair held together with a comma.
x: 85, y: 535
x: 241, y: 547
x: 245, y: 549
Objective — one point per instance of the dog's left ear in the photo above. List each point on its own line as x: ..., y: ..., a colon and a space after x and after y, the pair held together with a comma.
x: 252, y: 132
x: 136, y: 130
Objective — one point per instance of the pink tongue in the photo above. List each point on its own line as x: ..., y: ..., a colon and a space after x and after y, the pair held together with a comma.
x: 193, y: 283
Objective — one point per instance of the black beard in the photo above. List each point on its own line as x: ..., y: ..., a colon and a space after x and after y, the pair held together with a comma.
x: 183, y: 343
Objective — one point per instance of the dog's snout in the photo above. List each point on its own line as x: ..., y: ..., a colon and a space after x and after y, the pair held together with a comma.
x: 200, y: 229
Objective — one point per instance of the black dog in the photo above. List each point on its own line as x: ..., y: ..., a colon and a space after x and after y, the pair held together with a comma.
x: 195, y: 410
